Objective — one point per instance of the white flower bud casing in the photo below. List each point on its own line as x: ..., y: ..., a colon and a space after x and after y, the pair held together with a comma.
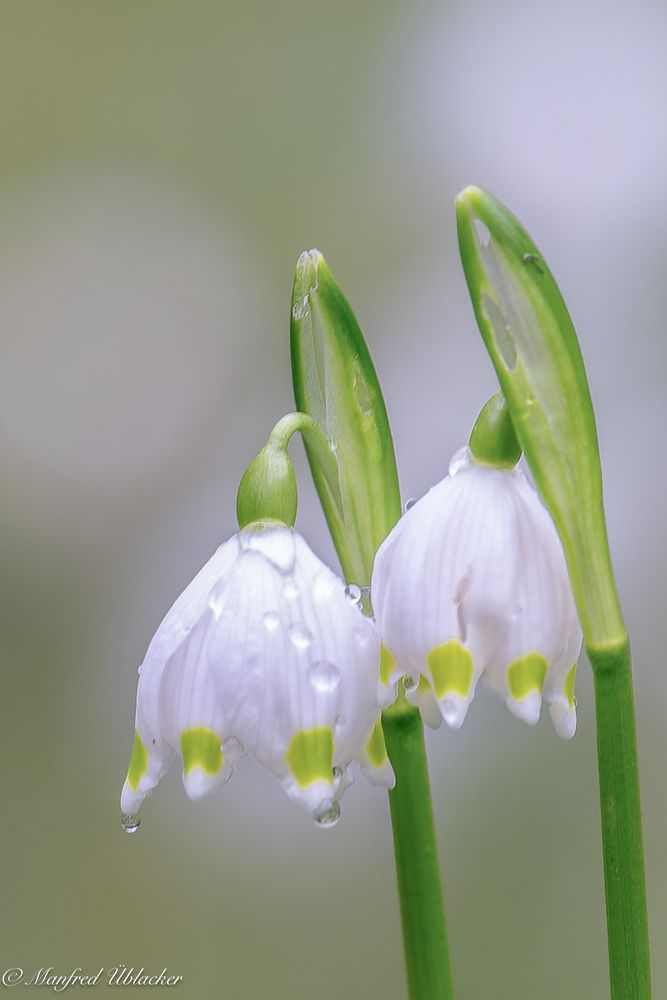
x: 263, y: 654
x: 472, y: 581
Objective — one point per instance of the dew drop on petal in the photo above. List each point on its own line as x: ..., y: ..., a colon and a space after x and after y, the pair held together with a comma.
x: 353, y: 593
x: 130, y: 823
x: 327, y: 813
x: 409, y: 503
x: 271, y: 621
x: 324, y: 676
x: 290, y: 591
x: 300, y: 636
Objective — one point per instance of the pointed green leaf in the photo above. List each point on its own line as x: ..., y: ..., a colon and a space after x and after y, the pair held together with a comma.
x: 534, y: 348
x: 335, y: 383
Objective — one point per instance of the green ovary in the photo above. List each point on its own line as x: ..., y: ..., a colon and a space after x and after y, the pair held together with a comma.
x: 568, y: 686
x: 375, y: 748
x: 138, y: 762
x: 310, y: 755
x: 452, y: 669
x: 387, y: 664
x: 201, y: 747
x: 526, y: 674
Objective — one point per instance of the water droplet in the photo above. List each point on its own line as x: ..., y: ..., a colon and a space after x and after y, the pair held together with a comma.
x: 460, y: 460
x: 271, y: 621
x: 139, y: 668
x: 409, y: 503
x: 290, y: 591
x: 327, y: 813
x: 324, y: 676
x: 323, y: 586
x: 300, y: 636
x: 130, y: 823
x: 233, y: 747
x: 409, y: 683
x: 353, y: 593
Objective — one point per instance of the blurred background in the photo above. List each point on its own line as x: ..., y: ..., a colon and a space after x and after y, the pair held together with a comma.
x: 163, y: 165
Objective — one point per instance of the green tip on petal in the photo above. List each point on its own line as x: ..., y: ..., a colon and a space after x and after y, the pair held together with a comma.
x: 201, y: 747
x: 529, y: 335
x: 452, y: 669
x: 310, y: 755
x: 138, y: 763
x: 376, y: 749
x: 526, y: 674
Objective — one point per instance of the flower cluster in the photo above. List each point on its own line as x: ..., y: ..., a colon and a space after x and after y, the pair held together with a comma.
x: 267, y: 653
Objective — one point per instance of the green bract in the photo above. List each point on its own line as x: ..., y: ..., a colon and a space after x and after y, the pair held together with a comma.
x: 335, y: 383
x: 530, y: 337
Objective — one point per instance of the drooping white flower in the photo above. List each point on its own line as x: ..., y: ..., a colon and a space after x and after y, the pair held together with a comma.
x: 263, y: 654
x: 472, y: 581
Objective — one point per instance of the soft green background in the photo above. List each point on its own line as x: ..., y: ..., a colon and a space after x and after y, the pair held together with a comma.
x: 163, y: 164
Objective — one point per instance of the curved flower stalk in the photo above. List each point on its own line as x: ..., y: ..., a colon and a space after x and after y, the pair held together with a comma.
x: 472, y: 583
x: 266, y: 653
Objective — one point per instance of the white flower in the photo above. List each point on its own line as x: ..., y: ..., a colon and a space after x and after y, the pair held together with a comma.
x: 472, y: 581
x: 264, y: 654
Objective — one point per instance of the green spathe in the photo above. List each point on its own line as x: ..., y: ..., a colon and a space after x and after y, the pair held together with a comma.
x: 335, y: 383
x: 529, y: 334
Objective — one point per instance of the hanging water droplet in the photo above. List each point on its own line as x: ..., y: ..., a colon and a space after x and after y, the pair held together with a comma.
x: 409, y: 503
x: 130, y: 823
x: 300, y: 636
x: 327, y: 813
x: 353, y: 593
x: 271, y: 621
x: 409, y: 683
x: 324, y: 676
x: 290, y: 591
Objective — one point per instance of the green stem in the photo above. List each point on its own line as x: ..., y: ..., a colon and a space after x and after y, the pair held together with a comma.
x: 422, y: 911
x: 625, y: 889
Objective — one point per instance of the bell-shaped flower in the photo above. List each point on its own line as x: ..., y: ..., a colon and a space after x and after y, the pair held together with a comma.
x: 472, y: 581
x: 266, y: 653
